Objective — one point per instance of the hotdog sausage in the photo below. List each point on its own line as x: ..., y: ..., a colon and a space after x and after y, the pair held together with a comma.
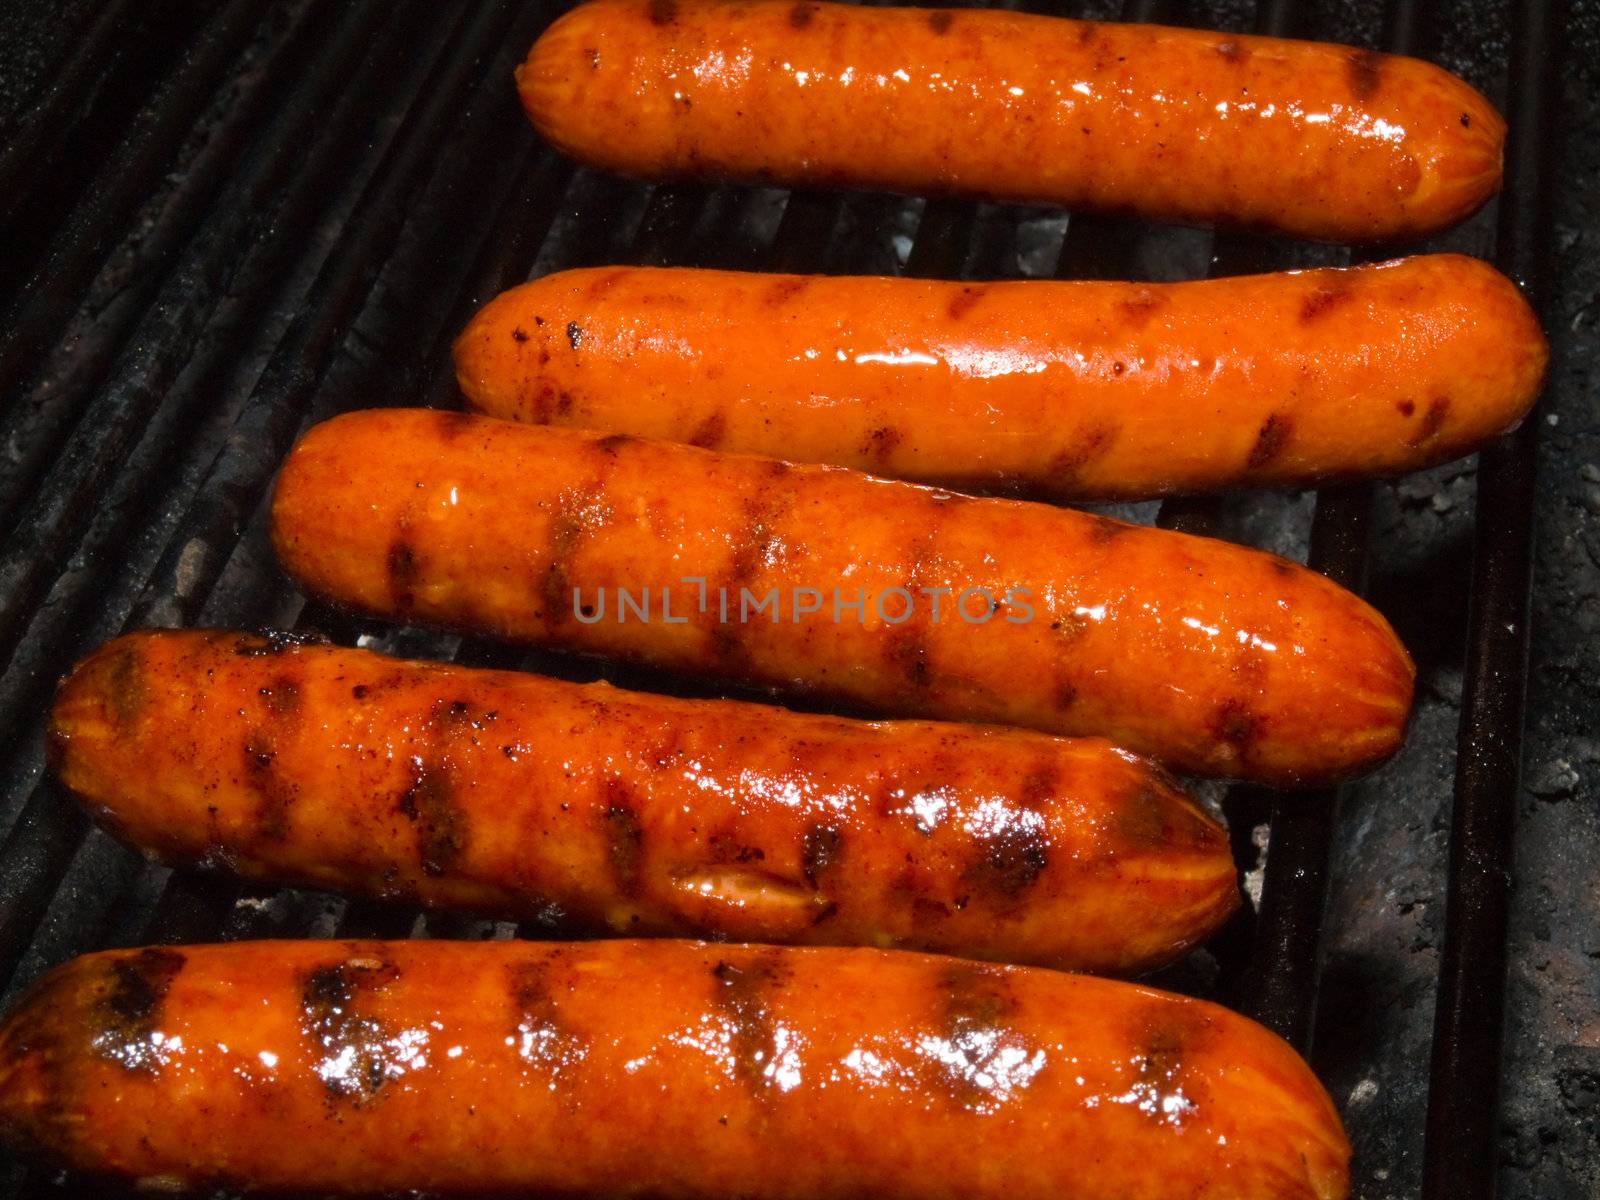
x: 511, y: 794
x: 1316, y: 140
x: 1070, y: 390
x: 1213, y: 657
x: 654, y: 1068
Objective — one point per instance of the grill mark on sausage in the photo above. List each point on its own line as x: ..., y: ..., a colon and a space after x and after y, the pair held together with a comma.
x: 1140, y: 307
x: 881, y: 443
x: 450, y: 424
x: 1008, y: 860
x: 1232, y: 51
x: 1107, y: 529
x: 961, y: 303
x: 126, y: 1017
x: 762, y: 511
x: 800, y: 15
x: 1365, y: 72
x: 711, y: 432
x: 742, y: 996
x: 276, y: 794
x: 125, y: 686
x: 663, y: 12
x: 358, y: 1054
x: 1432, y: 421
x: 1325, y: 297
x: 1283, y: 567
x: 976, y: 1057
x: 540, y: 1036
x: 1169, y: 1036
x: 1406, y: 407
x: 1237, y: 725
x: 1270, y: 441
x: 624, y: 837
x: 786, y: 288
x: 1087, y: 32
x: 282, y: 696
x: 429, y: 804
x: 1092, y: 443
x: 820, y: 849
x: 939, y: 20
x: 403, y: 572
x: 578, y: 511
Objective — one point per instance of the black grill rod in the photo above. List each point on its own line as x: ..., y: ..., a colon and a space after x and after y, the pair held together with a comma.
x: 40, y: 312
x: 37, y: 849
x: 1460, y: 1162
x: 200, y: 317
x: 1281, y: 984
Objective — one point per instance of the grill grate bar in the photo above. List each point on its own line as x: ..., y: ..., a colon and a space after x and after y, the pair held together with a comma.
x: 1463, y: 1099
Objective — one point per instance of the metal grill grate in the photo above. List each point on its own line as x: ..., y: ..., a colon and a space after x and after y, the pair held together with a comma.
x: 226, y: 221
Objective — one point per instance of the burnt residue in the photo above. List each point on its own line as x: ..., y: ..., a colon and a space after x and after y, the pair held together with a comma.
x: 356, y: 1053
x: 574, y: 334
x: 881, y: 443
x: 1432, y: 421
x: 442, y: 827
x: 281, y: 696
x: 126, y: 1019
x: 1365, y: 70
x: 662, y: 12
x: 275, y: 793
x: 742, y: 993
x: 939, y: 20
x: 801, y: 14
x: 401, y: 566
x: 126, y: 693
x: 1271, y: 440
x: 1406, y: 408
x: 540, y: 1035
x: 624, y: 837
x: 969, y: 294
x: 820, y: 849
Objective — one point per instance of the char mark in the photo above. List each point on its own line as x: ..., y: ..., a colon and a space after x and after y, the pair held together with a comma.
x: 1236, y: 725
x: 624, y: 838
x: 276, y: 794
x: 1106, y: 529
x: 126, y: 683
x: 881, y: 443
x: 403, y: 572
x: 1324, y: 298
x: 711, y: 432
x: 540, y: 1035
x: 429, y: 804
x: 1137, y: 309
x: 939, y: 20
x: 742, y: 995
x: 1270, y: 441
x: 819, y: 850
x: 1009, y: 860
x: 1232, y: 51
x: 282, y: 696
x: 786, y: 288
x: 961, y: 303
x: 356, y: 1054
x: 1365, y: 72
x: 1432, y: 421
x: 800, y: 15
x: 451, y: 424
x: 663, y: 12
x: 126, y: 1020
x: 577, y: 512
x: 1092, y: 443
x: 977, y: 1058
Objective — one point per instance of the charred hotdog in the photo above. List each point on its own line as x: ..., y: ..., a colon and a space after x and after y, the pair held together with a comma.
x: 520, y: 796
x: 1209, y: 656
x: 1316, y: 140
x: 653, y: 1068
x: 1069, y: 390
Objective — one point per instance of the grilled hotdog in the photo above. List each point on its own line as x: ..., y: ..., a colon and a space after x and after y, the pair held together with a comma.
x: 653, y: 1068
x: 516, y: 795
x: 1316, y: 140
x: 1213, y: 657
x: 1071, y: 390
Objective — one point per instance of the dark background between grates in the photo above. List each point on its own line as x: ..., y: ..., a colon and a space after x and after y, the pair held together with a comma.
x: 222, y: 220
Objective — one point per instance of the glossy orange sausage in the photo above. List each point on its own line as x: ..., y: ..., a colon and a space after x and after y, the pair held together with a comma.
x: 520, y: 796
x: 673, y: 1069
x: 1069, y: 390
x: 1316, y: 140
x: 1209, y: 656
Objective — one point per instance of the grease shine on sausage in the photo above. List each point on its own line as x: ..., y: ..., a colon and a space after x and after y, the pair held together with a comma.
x: 653, y: 1068
x: 507, y: 793
x: 1072, y: 390
x: 1209, y: 656
x: 1316, y: 140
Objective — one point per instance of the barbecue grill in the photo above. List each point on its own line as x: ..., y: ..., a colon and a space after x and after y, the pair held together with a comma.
x: 225, y: 220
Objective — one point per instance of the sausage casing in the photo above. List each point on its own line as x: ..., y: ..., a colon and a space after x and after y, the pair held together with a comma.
x: 1317, y: 140
x: 1212, y: 657
x: 1072, y: 390
x: 511, y: 794
x: 673, y: 1069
